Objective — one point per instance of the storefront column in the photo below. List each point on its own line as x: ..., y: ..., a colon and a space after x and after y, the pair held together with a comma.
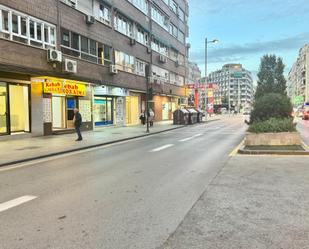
x: 37, y: 128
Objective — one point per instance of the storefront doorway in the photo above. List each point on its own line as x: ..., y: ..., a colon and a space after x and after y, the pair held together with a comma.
x: 132, y: 110
x: 14, y: 108
x: 3, y: 109
x: 103, y: 111
x: 63, y: 112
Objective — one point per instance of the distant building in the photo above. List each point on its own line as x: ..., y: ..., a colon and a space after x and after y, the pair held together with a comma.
x: 298, y: 78
x: 233, y: 84
x: 192, y: 82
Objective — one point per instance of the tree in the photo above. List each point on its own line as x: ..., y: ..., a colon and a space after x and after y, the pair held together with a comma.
x: 271, y: 105
x: 270, y: 76
x: 224, y: 101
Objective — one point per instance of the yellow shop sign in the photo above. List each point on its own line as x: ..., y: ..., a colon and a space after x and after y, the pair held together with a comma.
x: 64, y: 87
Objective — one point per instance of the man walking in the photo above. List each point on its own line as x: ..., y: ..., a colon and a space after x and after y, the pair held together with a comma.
x: 77, y: 120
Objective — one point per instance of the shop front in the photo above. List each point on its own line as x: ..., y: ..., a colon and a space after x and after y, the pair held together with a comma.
x: 60, y: 97
x: 108, y: 106
x: 133, y: 105
x: 164, y: 107
x: 14, y: 108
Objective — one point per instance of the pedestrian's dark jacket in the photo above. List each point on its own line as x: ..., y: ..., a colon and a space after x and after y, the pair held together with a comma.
x: 78, y: 119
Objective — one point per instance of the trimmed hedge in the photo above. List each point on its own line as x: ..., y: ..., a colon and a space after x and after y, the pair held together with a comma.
x: 273, y: 125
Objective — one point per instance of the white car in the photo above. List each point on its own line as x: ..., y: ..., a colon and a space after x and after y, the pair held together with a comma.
x: 246, y: 116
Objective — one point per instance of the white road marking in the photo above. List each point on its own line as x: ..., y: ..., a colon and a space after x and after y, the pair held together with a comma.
x: 189, y: 138
x: 16, y: 202
x: 162, y: 147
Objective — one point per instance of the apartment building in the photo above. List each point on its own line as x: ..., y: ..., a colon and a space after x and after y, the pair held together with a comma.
x: 97, y: 55
x: 234, y: 83
x: 298, y: 78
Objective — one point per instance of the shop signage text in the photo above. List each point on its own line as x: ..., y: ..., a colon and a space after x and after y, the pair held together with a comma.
x: 68, y: 88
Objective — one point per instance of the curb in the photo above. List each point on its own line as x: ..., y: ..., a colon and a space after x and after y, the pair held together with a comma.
x: 95, y: 145
x: 273, y: 152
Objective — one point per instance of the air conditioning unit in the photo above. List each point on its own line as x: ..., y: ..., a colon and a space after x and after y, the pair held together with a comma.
x: 113, y: 69
x: 90, y: 19
x: 162, y: 58
x: 132, y: 41
x: 54, y: 55
x: 148, y: 50
x: 70, y: 66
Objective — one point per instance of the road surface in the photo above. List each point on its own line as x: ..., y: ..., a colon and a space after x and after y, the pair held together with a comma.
x: 129, y: 195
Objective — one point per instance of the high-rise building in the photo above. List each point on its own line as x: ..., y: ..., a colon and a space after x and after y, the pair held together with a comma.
x: 298, y: 78
x: 234, y: 84
x: 91, y: 54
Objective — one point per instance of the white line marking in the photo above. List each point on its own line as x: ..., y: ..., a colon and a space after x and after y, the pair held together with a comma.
x: 162, y: 147
x: 16, y: 202
x: 189, y: 138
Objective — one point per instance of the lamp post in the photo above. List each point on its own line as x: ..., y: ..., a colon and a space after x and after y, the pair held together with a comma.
x: 206, y: 44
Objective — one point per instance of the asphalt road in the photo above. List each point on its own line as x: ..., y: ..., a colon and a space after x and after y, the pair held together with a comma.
x: 303, y: 128
x: 129, y: 195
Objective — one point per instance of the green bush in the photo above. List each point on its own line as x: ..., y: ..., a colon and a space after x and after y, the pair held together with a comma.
x: 271, y: 105
x: 273, y: 125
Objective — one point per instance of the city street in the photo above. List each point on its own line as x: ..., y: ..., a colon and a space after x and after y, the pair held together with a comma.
x: 303, y: 128
x: 128, y: 195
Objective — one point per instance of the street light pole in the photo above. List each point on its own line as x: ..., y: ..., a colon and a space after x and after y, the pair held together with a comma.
x: 206, y: 42
x: 206, y: 86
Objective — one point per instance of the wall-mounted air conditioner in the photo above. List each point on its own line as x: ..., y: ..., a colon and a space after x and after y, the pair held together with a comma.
x: 70, y: 66
x: 90, y: 19
x: 54, y: 55
x: 113, y: 69
x: 162, y: 58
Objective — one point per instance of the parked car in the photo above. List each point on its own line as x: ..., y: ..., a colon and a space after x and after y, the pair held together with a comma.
x: 246, y: 116
x: 306, y: 115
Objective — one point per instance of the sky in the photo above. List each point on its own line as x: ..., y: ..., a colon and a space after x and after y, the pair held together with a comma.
x: 247, y: 29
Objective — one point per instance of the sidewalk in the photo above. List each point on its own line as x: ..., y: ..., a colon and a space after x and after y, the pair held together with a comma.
x: 254, y: 202
x: 14, y: 151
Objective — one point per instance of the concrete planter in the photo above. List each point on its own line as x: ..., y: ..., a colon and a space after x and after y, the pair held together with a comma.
x: 273, y: 139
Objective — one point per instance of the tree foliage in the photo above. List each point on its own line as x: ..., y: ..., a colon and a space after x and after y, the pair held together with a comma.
x: 271, y: 105
x: 270, y: 76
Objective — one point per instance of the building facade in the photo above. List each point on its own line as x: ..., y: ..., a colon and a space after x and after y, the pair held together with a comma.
x: 234, y: 84
x: 96, y: 55
x: 298, y: 78
x: 194, y: 91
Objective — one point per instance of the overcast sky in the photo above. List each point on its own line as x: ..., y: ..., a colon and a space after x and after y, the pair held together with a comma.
x: 247, y: 29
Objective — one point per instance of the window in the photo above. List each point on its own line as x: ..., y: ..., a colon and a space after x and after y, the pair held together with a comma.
x: 160, y: 73
x: 159, y: 17
x: 104, y: 54
x: 174, y: 6
x: 140, y: 67
x: 5, y: 20
x: 173, y: 30
x: 26, y: 29
x: 181, y: 14
x: 181, y: 36
x: 141, y: 5
x: 124, y: 61
x: 123, y: 25
x: 78, y: 46
x: 105, y: 14
x: 75, y: 41
x: 173, y: 54
x: 71, y: 3
x: 159, y: 47
x: 141, y: 36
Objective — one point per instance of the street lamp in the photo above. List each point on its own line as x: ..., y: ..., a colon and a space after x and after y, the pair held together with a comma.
x: 215, y: 41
